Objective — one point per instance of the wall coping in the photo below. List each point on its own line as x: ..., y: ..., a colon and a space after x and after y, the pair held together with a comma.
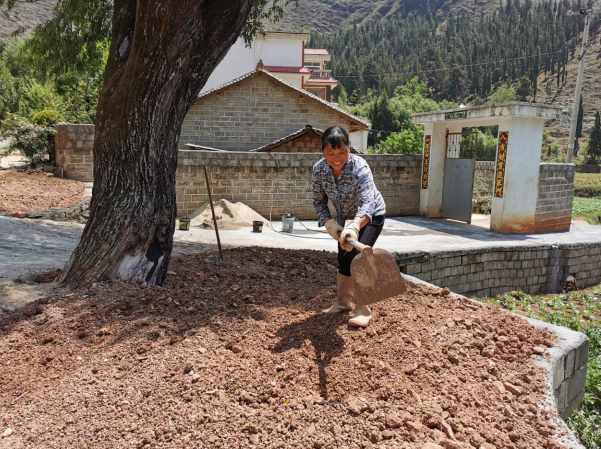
x: 230, y: 158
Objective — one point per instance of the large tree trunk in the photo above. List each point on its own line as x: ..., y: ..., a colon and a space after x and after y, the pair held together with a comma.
x: 161, y: 54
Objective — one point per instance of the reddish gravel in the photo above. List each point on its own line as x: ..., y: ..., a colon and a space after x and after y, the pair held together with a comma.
x: 22, y: 192
x: 234, y: 354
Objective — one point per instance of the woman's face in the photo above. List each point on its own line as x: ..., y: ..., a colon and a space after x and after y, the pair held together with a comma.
x: 336, y: 157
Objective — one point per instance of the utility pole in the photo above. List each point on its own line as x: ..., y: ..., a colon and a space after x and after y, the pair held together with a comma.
x: 587, y: 13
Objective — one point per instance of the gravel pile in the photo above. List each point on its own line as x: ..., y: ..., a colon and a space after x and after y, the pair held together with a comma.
x: 235, y: 354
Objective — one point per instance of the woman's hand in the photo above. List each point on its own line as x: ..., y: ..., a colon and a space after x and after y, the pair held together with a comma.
x: 333, y: 228
x: 350, y: 232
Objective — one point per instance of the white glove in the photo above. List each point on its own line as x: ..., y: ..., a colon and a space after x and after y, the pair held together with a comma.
x: 333, y: 228
x: 350, y: 232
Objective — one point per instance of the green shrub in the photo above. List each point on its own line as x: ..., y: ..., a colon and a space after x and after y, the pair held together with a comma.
x: 404, y: 142
x: 587, y: 192
x: 47, y: 117
x: 34, y: 141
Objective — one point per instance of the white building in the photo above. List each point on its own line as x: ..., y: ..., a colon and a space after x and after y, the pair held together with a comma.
x: 283, y: 55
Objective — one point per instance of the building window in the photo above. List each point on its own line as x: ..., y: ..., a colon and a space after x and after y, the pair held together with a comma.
x: 313, y: 65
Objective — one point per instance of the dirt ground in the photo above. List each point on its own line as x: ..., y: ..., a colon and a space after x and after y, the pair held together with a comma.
x: 235, y: 353
x: 23, y: 192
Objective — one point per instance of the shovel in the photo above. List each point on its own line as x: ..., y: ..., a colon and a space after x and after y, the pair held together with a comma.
x: 377, y: 275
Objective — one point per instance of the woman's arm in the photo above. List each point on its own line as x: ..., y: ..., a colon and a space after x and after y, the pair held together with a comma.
x: 320, y: 201
x: 367, y: 189
x: 363, y: 220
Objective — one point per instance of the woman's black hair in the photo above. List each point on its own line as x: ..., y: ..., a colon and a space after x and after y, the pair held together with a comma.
x: 335, y: 136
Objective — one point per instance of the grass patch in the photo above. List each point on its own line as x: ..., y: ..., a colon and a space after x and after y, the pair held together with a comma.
x: 587, y: 185
x: 587, y: 180
x: 588, y: 209
x: 579, y: 311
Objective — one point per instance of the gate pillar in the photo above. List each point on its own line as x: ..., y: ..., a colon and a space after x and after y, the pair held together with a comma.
x: 435, y: 147
x: 515, y: 190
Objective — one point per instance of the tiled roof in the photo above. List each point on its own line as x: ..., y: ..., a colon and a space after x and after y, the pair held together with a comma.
x: 354, y: 118
x: 316, y: 51
x: 294, y: 135
x: 286, y: 69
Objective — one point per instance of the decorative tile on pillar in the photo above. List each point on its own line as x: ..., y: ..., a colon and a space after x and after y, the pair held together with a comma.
x: 427, y: 143
x: 501, y: 164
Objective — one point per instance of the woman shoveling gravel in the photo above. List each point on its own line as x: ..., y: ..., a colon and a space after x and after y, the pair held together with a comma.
x: 347, y: 181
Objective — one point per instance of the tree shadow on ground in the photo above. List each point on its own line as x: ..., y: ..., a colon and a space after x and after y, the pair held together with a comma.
x: 321, y: 331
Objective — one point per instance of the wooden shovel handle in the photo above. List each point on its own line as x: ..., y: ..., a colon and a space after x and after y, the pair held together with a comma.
x: 367, y: 250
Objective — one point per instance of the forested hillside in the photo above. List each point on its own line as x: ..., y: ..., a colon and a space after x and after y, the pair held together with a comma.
x: 460, y: 57
x: 24, y: 16
x: 328, y: 16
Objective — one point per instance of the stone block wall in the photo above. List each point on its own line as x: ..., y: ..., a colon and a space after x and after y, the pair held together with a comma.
x: 493, y: 271
x: 255, y: 112
x: 569, y: 373
x: 73, y: 145
x: 485, y: 169
x: 555, y: 197
x: 254, y: 179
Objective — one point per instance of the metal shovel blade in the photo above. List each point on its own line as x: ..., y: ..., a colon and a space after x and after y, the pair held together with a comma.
x: 377, y: 277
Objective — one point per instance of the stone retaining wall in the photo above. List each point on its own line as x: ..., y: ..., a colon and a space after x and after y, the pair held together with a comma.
x: 555, y: 197
x: 493, y: 271
x: 281, y: 180
x: 485, y: 169
x: 73, y: 145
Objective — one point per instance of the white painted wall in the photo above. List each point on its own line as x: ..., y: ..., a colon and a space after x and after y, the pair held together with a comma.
x: 291, y: 78
x: 516, y: 210
x: 358, y: 140
x: 240, y: 60
x: 430, y: 199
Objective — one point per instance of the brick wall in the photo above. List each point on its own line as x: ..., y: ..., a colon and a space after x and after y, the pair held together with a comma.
x: 555, y: 197
x: 485, y: 169
x: 253, y: 179
x: 73, y: 145
x: 492, y: 271
x: 253, y: 113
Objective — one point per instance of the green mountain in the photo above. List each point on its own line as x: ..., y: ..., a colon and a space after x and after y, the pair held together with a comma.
x: 24, y: 16
x: 326, y: 16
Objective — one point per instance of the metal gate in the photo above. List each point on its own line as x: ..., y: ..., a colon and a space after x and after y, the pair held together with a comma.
x: 458, y: 185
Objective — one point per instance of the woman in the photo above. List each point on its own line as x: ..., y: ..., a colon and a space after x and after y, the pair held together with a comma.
x: 347, y: 181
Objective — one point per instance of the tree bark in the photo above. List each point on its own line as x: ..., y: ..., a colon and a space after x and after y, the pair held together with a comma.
x: 161, y: 54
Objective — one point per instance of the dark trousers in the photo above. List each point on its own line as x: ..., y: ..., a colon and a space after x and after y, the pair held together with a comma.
x: 368, y: 236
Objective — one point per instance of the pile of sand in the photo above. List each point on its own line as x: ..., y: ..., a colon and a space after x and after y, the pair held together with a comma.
x: 230, y: 216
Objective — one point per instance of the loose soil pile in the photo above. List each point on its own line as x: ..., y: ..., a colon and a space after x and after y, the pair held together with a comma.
x: 229, y: 216
x: 22, y: 192
x: 235, y: 354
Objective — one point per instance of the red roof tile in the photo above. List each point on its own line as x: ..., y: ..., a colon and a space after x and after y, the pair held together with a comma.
x: 286, y: 69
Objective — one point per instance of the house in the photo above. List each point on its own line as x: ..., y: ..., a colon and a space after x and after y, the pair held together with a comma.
x: 259, y: 108
x: 285, y: 56
x: 320, y: 82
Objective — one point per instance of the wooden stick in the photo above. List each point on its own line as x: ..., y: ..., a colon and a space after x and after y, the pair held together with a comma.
x: 213, y: 211
x: 367, y: 250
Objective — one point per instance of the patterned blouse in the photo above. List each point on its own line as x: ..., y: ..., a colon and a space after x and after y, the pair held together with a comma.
x: 353, y: 194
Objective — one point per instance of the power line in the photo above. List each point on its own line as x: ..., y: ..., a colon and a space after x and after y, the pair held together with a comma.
x: 452, y: 67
